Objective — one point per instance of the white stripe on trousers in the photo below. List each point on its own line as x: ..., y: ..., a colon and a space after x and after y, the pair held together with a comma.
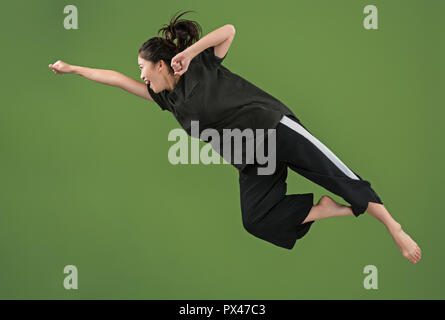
x: 328, y: 153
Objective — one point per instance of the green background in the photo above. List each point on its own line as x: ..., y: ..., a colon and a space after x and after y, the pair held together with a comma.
x: 85, y: 179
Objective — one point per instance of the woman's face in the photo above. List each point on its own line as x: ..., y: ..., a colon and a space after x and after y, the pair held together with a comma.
x: 152, y: 74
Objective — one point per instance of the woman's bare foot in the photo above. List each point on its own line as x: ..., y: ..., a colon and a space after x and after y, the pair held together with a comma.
x: 327, y: 207
x: 409, y: 248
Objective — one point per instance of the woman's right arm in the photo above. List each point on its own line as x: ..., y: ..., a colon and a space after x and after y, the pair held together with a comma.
x: 108, y: 77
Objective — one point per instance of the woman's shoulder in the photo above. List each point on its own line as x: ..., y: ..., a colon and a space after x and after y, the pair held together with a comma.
x: 208, y: 59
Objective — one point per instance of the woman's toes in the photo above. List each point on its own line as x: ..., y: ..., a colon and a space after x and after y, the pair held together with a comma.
x: 410, y: 256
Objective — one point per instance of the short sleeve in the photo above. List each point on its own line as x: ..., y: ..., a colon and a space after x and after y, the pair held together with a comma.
x: 158, y: 99
x: 209, y: 59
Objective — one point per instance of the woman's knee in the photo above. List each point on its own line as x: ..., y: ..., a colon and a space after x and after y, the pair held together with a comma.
x: 251, y: 221
x: 248, y: 222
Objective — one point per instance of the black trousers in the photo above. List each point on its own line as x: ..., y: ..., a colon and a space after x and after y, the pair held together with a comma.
x: 269, y: 213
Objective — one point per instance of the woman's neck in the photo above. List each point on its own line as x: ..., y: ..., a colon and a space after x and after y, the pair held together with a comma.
x: 172, y: 82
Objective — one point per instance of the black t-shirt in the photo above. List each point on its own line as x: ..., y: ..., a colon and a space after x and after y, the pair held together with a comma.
x: 219, y: 99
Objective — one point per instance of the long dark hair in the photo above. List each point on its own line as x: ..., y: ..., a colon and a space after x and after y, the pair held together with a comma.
x: 185, y: 32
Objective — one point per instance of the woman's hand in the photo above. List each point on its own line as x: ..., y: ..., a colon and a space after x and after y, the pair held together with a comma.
x: 180, y: 62
x: 61, y: 67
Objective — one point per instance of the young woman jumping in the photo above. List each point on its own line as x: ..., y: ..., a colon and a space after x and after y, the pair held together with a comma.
x: 187, y: 78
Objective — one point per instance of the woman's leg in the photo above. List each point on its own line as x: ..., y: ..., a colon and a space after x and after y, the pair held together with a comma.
x: 310, y: 158
x: 327, y: 208
x: 268, y: 212
x: 407, y: 246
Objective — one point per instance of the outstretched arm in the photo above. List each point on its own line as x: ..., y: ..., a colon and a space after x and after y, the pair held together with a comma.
x: 108, y: 77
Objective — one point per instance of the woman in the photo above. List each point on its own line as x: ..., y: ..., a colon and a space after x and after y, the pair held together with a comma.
x: 187, y: 79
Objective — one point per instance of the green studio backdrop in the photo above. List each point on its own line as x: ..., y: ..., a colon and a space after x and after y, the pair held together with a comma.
x: 85, y: 178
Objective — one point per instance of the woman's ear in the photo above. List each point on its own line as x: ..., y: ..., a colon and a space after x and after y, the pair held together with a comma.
x: 160, y: 65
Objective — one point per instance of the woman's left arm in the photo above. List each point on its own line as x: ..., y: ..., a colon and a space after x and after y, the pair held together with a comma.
x: 220, y: 38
